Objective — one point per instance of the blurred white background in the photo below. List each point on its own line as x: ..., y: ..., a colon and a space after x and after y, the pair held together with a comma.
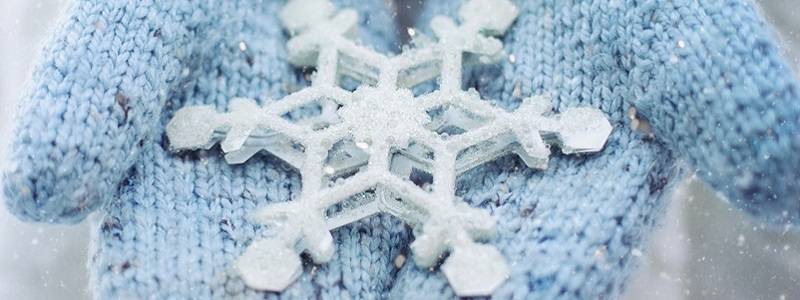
x: 705, y: 250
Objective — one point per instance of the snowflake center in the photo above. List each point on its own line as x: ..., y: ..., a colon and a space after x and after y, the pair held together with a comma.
x: 383, y: 117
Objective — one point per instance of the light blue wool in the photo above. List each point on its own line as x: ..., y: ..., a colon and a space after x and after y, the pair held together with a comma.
x: 90, y: 136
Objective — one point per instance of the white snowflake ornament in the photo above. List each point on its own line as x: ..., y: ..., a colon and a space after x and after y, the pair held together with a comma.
x: 382, y: 148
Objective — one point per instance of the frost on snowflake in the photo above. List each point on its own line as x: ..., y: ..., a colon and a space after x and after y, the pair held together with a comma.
x: 380, y: 148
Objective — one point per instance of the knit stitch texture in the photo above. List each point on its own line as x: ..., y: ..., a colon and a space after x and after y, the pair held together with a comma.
x: 707, y: 75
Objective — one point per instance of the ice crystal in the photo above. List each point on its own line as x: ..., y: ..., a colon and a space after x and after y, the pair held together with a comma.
x: 383, y: 149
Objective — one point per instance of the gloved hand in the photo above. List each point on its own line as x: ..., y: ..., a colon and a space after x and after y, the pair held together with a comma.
x: 91, y: 136
x: 707, y: 77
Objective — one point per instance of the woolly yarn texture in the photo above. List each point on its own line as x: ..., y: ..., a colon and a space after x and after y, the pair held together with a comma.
x: 706, y: 75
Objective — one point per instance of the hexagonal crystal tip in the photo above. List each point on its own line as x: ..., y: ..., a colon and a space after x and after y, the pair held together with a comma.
x: 297, y: 15
x: 583, y: 130
x: 269, y: 265
x: 192, y: 128
x: 475, y: 270
x: 493, y: 16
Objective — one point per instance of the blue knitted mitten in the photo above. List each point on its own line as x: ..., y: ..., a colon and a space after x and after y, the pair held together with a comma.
x: 91, y: 136
x: 707, y: 76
